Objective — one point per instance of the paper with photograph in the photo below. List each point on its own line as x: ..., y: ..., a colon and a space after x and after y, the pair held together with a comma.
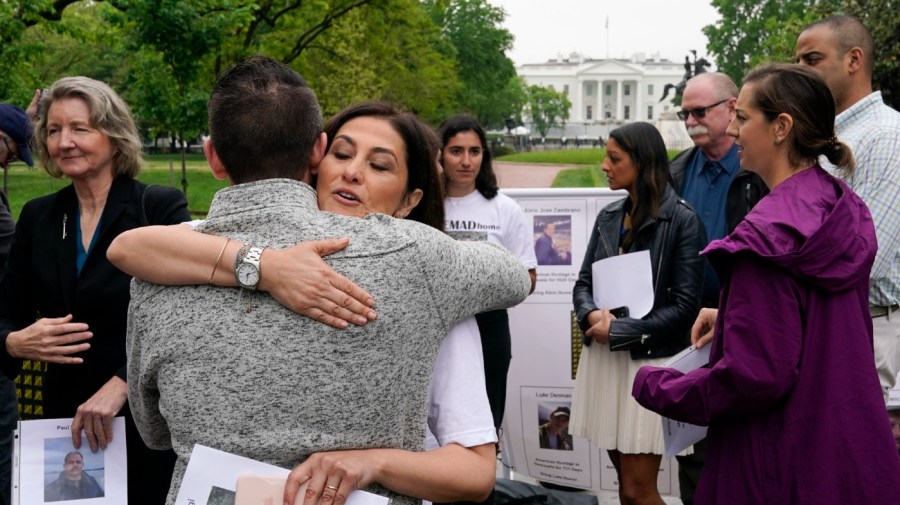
x: 677, y: 435
x: 211, y: 478
x: 48, y: 468
x: 625, y: 280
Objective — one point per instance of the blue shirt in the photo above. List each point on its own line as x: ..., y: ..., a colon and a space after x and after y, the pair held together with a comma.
x: 705, y: 187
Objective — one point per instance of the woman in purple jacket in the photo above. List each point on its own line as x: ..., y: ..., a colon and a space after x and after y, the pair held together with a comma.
x: 791, y: 396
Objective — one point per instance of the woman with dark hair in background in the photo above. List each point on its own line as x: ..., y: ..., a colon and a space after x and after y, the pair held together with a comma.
x: 791, y: 395
x: 476, y: 211
x: 58, y: 269
x: 653, y: 218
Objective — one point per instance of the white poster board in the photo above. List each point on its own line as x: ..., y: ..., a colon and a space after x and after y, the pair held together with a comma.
x: 546, y: 345
x: 41, y: 449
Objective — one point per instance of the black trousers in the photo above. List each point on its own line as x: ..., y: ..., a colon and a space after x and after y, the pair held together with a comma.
x: 9, y: 416
x: 149, y: 471
x: 496, y: 347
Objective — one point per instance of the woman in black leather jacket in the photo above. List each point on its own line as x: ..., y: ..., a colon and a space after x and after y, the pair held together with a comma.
x: 652, y: 218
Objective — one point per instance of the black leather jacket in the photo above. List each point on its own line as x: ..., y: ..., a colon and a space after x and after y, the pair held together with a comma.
x: 674, y: 241
x: 745, y: 190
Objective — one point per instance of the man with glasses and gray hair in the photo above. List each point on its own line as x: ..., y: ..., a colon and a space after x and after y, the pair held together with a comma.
x: 710, y: 178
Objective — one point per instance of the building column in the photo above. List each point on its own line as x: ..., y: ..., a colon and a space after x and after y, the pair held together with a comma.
x: 598, y: 108
x: 620, y: 114
x: 639, y: 101
x: 576, y: 102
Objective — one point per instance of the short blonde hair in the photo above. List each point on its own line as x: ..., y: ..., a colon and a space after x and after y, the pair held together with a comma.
x: 108, y: 113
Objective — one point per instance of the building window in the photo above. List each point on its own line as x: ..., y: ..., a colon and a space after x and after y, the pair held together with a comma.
x: 590, y: 113
x: 608, y: 91
x: 649, y: 112
x: 627, y: 112
x: 566, y: 89
x: 627, y: 89
x: 650, y: 89
x: 589, y: 89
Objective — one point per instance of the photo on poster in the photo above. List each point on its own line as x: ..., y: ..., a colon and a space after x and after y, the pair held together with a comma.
x: 553, y: 427
x: 72, y: 474
x: 553, y: 239
x: 220, y: 496
x: 52, y: 470
x: 552, y: 454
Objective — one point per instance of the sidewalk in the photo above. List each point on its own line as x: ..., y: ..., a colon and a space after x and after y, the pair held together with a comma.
x: 524, y: 175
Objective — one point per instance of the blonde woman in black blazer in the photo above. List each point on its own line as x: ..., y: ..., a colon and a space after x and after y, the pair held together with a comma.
x: 61, y: 301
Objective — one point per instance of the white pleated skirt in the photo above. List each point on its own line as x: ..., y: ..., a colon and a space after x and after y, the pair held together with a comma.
x: 603, y: 410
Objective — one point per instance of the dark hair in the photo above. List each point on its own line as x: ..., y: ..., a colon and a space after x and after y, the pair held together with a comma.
x: 421, y: 155
x: 65, y: 459
x: 263, y: 121
x: 643, y: 143
x: 847, y: 33
x: 486, y: 180
x: 799, y: 92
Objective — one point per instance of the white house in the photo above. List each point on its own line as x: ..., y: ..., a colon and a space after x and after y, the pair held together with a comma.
x: 606, y: 93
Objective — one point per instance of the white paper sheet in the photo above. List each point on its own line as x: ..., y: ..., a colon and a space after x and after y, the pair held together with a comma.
x: 40, y: 452
x: 677, y: 435
x: 210, y: 468
x: 624, y: 281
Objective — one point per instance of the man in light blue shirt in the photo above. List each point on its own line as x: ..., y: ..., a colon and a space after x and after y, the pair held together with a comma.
x: 841, y: 49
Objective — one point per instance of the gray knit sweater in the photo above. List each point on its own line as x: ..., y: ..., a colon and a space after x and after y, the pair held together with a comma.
x: 234, y: 370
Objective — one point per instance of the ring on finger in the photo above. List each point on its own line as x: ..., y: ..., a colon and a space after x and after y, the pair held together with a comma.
x: 333, y: 488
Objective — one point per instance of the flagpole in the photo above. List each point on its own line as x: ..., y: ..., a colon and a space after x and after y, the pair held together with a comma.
x: 607, y: 36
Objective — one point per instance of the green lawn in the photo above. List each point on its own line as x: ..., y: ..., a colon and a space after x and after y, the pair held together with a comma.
x: 563, y: 156
x: 25, y: 184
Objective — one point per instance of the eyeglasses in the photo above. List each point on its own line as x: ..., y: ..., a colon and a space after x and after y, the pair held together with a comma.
x: 10, y: 156
x: 699, y: 113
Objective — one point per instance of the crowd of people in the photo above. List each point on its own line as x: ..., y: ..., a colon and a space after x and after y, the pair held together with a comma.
x: 320, y: 319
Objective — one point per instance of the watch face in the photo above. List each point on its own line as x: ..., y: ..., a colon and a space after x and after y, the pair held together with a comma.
x: 247, y: 275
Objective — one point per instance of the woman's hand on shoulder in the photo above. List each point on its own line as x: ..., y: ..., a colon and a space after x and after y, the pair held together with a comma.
x: 704, y: 327
x: 329, y: 477
x: 53, y: 340
x: 300, y: 280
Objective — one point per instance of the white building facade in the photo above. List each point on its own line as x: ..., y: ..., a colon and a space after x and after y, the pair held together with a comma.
x: 606, y: 93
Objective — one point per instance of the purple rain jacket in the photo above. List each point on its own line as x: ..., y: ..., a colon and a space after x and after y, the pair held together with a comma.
x: 791, y: 397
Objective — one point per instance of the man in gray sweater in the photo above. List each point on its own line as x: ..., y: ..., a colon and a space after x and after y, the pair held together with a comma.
x: 234, y: 370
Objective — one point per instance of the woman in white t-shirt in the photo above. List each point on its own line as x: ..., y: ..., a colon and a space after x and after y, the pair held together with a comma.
x: 474, y: 210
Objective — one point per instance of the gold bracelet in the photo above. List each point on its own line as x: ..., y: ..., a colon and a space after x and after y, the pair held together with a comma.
x: 218, y: 259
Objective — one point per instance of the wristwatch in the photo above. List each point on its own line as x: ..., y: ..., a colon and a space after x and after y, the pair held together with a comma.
x: 246, y: 266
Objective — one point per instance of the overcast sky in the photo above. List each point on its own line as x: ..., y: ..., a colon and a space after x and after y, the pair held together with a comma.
x: 545, y: 28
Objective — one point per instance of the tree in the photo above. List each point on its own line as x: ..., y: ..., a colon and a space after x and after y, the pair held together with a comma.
x: 474, y: 29
x: 381, y: 53
x: 751, y: 32
x: 549, y: 108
